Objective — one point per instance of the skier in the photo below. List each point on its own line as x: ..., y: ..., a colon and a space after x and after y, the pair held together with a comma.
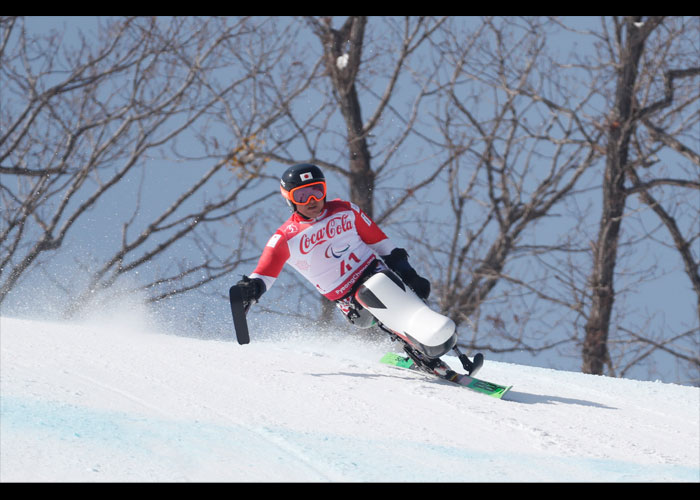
x: 335, y: 246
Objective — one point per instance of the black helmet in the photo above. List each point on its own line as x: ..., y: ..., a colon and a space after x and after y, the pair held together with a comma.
x: 298, y: 175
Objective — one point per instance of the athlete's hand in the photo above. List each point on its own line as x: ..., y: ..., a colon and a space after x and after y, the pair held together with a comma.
x: 251, y: 289
x: 420, y: 285
x: 397, y: 261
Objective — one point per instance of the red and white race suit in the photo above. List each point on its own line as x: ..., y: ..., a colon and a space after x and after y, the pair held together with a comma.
x: 330, y: 251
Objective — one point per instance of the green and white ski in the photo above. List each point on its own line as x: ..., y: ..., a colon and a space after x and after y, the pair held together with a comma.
x: 475, y: 384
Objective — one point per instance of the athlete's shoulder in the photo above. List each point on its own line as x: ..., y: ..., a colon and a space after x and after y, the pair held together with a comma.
x: 338, y: 205
x: 288, y: 229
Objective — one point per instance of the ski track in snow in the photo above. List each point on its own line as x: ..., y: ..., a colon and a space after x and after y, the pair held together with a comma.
x: 81, y: 402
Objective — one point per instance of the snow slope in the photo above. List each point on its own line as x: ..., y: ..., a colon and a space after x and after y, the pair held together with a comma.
x: 82, y: 402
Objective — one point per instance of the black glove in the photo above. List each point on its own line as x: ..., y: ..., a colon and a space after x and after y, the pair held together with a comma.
x: 397, y: 261
x: 419, y: 285
x: 251, y: 289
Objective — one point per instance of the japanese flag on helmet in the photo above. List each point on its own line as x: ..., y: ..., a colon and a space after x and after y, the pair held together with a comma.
x: 306, y: 176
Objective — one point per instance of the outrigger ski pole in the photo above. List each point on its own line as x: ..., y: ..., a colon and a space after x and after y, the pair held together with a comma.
x: 471, y: 367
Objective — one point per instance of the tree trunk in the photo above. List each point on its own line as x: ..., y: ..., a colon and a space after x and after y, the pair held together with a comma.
x: 620, y: 129
x: 361, y: 173
x: 343, y: 53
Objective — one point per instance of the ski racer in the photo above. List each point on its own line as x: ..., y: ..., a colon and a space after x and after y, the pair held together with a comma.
x: 333, y: 244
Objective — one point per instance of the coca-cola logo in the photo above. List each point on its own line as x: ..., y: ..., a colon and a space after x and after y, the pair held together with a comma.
x: 310, y: 239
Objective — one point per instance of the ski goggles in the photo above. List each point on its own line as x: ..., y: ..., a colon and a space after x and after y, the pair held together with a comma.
x: 302, y: 195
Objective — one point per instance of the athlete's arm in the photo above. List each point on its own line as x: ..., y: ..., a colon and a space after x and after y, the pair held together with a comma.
x: 271, y: 262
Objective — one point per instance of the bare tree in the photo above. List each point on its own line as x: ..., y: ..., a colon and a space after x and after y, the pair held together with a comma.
x: 637, y: 100
x: 527, y: 138
x: 519, y: 150
x: 352, y: 74
x: 79, y: 120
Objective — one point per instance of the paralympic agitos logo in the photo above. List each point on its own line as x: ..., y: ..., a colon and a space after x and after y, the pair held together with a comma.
x: 335, y: 226
x: 334, y: 253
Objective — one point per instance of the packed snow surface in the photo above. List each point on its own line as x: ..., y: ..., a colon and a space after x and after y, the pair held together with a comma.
x: 89, y: 402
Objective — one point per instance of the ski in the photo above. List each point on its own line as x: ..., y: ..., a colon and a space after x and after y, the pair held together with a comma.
x: 238, y: 309
x: 474, y: 384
